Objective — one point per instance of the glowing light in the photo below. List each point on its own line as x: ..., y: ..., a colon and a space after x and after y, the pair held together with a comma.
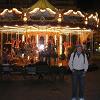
x: 86, y: 21
x: 28, y: 57
x: 98, y: 20
x: 75, y: 13
x: 80, y: 13
x: 95, y: 17
x: 60, y: 15
x: 25, y: 19
x: 51, y: 11
x: 60, y: 44
x: 37, y: 40
x: 59, y: 19
x: 23, y: 55
x: 19, y: 12
x: 96, y: 49
x: 4, y: 11
x: 41, y: 47
x: 28, y: 35
x: 55, y: 38
x: 46, y: 38
x: 10, y: 11
x: 23, y: 38
x: 34, y: 11
x: 99, y: 48
x: 68, y: 12
x: 24, y: 14
x: 16, y: 25
x: 5, y: 26
x: 90, y: 16
x: 42, y: 10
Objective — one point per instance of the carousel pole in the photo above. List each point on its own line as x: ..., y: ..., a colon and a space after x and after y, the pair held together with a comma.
x: 46, y: 39
x: 18, y: 35
x: 60, y: 44
x: 23, y: 38
x: 7, y: 36
x: 11, y: 35
x: 55, y: 39
x: 37, y: 36
x: 70, y: 38
x: 1, y: 51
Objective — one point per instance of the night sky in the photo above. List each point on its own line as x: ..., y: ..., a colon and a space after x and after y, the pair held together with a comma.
x: 88, y: 5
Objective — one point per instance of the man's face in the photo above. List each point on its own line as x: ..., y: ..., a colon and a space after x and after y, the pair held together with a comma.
x: 79, y: 49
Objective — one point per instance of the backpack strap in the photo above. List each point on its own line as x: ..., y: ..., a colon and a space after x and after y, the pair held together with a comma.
x: 74, y: 55
x: 82, y: 54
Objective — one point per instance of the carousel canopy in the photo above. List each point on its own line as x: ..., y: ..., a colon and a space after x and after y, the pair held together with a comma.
x: 43, y: 13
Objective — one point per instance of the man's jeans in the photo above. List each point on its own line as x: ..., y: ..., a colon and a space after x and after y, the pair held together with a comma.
x: 78, y: 82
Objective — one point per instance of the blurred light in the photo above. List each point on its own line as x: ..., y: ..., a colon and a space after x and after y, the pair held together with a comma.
x: 23, y: 55
x: 42, y: 10
x: 60, y: 44
x: 41, y: 47
x: 37, y: 40
x: 99, y: 48
x: 23, y: 38
x: 5, y: 26
x: 46, y: 38
x: 59, y: 19
x: 96, y: 49
x: 55, y: 37
x: 25, y: 19
x: 28, y: 57
x: 86, y: 22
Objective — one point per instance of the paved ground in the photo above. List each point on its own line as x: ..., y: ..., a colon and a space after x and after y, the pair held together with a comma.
x: 48, y: 90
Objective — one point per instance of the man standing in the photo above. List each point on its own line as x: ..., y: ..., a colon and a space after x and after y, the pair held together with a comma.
x: 78, y: 64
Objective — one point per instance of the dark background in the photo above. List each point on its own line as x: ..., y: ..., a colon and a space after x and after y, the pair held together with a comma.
x: 83, y: 5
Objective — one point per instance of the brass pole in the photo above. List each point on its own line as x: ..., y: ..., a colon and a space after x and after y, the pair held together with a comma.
x: 1, y: 47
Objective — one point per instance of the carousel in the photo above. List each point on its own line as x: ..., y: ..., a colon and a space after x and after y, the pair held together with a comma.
x: 42, y: 32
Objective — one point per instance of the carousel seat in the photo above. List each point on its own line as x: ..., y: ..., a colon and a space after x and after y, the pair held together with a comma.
x: 5, y: 71
x: 0, y: 71
x: 6, y: 68
x: 16, y: 69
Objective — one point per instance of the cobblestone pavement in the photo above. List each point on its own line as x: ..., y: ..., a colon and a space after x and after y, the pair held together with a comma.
x: 33, y: 89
